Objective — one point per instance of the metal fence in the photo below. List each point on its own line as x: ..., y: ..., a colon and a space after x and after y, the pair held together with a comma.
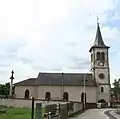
x: 51, y: 111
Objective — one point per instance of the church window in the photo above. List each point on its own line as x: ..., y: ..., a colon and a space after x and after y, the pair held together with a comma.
x: 98, y: 56
x: 101, y: 76
x: 65, y: 96
x: 102, y: 56
x: 102, y: 89
x: 27, y: 93
x: 48, y: 96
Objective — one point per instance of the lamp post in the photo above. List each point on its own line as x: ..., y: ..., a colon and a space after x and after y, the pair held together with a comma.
x: 85, y: 89
x: 11, y: 85
x: 62, y: 87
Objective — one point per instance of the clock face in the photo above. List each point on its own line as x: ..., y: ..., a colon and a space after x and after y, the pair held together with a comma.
x: 101, y: 76
x: 101, y: 63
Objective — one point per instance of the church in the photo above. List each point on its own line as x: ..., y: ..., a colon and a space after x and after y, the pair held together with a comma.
x: 89, y: 87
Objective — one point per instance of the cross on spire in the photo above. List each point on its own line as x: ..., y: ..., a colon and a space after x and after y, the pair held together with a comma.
x: 97, y: 20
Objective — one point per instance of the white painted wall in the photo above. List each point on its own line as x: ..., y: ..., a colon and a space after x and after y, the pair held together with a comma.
x: 20, y: 91
x: 73, y: 91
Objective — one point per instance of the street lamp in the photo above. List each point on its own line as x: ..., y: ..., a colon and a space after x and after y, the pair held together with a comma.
x: 62, y: 87
x: 85, y: 89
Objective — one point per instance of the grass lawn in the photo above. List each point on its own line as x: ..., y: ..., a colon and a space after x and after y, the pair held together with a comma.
x: 16, y: 113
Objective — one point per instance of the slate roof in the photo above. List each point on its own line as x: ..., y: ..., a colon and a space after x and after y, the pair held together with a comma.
x: 27, y: 82
x: 54, y: 79
x: 98, y: 40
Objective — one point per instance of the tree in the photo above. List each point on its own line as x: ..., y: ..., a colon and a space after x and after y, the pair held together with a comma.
x: 116, y: 88
x: 4, y: 89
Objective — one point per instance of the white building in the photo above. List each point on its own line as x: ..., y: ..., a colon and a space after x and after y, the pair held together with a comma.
x: 70, y: 86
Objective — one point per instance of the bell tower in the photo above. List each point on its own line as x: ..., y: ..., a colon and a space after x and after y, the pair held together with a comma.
x: 100, y: 67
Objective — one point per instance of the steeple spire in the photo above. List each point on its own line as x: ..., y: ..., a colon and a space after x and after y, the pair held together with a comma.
x: 98, y: 39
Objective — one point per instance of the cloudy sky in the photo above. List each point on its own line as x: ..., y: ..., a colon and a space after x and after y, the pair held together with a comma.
x: 55, y: 35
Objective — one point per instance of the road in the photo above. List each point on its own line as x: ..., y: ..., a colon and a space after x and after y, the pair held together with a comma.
x: 97, y: 114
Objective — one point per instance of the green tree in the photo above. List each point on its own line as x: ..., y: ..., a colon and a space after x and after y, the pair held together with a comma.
x: 4, y: 89
x: 116, y: 88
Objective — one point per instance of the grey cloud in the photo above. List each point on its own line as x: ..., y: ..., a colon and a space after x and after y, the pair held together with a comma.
x: 26, y: 60
x: 80, y: 65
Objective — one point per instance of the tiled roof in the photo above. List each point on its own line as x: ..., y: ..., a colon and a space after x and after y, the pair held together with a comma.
x: 53, y: 79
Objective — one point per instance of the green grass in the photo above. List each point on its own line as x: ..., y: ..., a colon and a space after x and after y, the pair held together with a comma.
x: 16, y: 113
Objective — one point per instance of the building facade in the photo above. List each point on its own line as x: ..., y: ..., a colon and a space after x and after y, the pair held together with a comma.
x: 92, y: 88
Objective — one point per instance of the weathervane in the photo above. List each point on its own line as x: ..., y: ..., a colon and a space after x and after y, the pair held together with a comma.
x: 97, y: 20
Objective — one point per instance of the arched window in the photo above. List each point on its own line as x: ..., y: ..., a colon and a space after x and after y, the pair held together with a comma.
x: 48, y: 96
x: 102, y: 89
x: 102, y: 56
x: 65, y: 96
x: 82, y: 97
x: 27, y: 93
x: 98, y: 56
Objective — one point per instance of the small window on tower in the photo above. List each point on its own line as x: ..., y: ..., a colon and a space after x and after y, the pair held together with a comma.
x: 102, y: 56
x: 102, y: 89
x: 98, y: 56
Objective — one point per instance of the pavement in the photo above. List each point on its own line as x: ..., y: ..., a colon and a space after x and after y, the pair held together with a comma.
x: 97, y: 114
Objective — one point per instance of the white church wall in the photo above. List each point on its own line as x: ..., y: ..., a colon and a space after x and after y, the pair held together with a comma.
x: 73, y: 91
x: 20, y: 91
x: 54, y: 90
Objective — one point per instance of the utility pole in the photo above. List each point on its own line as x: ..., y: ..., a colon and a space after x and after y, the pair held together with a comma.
x: 11, y: 84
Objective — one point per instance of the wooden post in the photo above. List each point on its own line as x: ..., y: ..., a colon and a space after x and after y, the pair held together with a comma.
x: 32, y: 113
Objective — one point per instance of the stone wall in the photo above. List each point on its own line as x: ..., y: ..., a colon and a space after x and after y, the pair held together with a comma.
x: 77, y: 107
x: 25, y: 103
